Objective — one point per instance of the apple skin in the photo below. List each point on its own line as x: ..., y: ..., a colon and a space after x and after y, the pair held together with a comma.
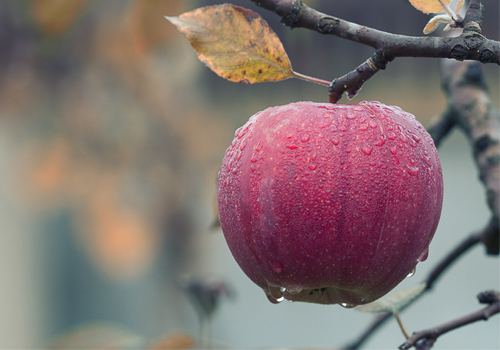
x: 330, y: 203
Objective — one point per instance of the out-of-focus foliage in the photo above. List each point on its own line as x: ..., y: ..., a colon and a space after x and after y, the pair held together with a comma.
x: 110, y: 336
x: 109, y: 130
x: 55, y: 16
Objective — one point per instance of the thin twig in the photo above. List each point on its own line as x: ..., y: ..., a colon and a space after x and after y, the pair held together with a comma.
x: 451, y: 257
x: 401, y: 325
x: 448, y: 10
x: 426, y: 338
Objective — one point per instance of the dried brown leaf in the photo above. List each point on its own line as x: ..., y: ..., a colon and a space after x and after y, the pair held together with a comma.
x: 235, y: 43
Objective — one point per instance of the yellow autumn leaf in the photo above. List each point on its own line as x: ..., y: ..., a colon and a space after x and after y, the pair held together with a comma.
x: 429, y: 6
x: 235, y: 43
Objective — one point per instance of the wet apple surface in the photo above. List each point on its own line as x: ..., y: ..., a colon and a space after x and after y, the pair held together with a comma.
x: 330, y: 203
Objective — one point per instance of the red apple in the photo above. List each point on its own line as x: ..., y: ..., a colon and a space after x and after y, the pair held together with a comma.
x: 330, y: 203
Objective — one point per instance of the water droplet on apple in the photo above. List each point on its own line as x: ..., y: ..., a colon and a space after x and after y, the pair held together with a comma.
x: 352, y: 115
x: 258, y: 147
x: 416, y: 138
x: 275, y: 294
x: 335, y: 141
x: 381, y: 141
x: 367, y: 149
x: 391, y: 135
x: 393, y: 150
x: 277, y: 266
x: 423, y: 256
x: 403, y: 138
x: 242, y: 131
x: 291, y: 146
x: 427, y: 160
x: 347, y: 305
x: 373, y: 124
x: 412, y: 272
x: 413, y: 170
x: 274, y: 300
x: 305, y: 138
x: 243, y: 145
x: 313, y: 166
x: 294, y: 289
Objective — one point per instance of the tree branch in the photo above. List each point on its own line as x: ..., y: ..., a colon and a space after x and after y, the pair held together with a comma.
x: 424, y: 340
x: 471, y: 45
x: 471, y: 109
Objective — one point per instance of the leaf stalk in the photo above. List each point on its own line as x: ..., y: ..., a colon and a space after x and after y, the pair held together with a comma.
x: 311, y: 79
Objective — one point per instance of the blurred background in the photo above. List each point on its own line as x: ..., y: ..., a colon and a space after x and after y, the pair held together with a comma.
x: 111, y: 136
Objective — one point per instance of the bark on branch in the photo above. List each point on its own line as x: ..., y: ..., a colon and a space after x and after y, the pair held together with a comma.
x: 471, y: 45
x: 471, y: 109
x: 424, y: 340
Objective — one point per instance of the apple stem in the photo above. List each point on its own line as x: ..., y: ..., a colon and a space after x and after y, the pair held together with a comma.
x: 311, y: 79
x: 401, y: 325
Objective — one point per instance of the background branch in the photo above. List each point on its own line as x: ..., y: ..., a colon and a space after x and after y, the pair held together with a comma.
x: 424, y: 340
x: 471, y: 109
